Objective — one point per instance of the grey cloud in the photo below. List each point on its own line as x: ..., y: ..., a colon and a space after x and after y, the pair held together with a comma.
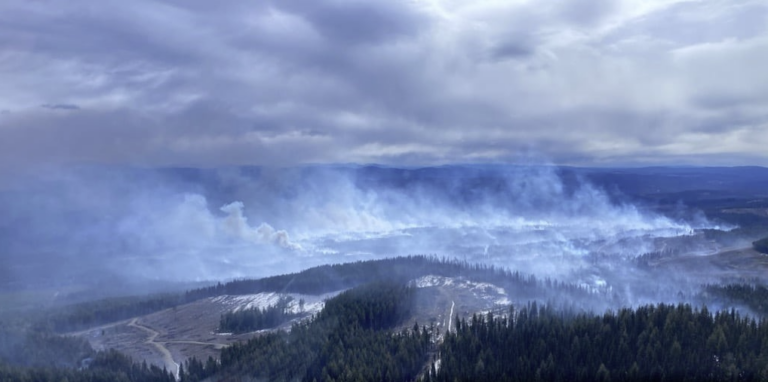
x: 513, y: 49
x: 60, y: 106
x: 587, y: 13
x: 191, y: 83
x: 77, y: 32
x: 358, y: 22
x: 86, y: 136
x: 690, y: 22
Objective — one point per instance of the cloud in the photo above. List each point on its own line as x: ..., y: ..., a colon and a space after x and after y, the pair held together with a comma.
x: 63, y: 106
x: 358, y: 22
x: 402, y: 82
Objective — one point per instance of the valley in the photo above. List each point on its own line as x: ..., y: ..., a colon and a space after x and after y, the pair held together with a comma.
x: 398, y: 271
x: 170, y: 337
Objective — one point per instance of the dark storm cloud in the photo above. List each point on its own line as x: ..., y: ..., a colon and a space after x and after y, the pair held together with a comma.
x: 288, y: 82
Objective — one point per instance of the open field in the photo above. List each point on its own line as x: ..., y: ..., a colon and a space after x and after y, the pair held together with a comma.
x: 169, y: 337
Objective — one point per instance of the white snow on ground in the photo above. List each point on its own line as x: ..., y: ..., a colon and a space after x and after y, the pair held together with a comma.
x: 312, y: 303
x: 503, y: 301
x: 431, y: 281
x: 484, y: 291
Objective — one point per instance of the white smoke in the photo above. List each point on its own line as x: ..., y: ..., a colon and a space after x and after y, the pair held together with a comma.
x: 236, y: 225
x: 185, y: 221
x: 524, y: 218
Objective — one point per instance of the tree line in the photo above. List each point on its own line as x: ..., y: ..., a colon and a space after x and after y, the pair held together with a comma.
x: 108, y: 366
x: 85, y: 315
x: 350, y: 340
x: 313, y: 281
x: 333, y: 277
x: 650, y: 343
x: 252, y: 319
x: 749, y: 295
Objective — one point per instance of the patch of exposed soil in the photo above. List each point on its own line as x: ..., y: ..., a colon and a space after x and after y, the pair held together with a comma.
x: 167, y: 338
x: 439, y: 299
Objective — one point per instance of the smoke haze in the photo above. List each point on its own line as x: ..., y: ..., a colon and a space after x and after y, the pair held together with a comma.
x: 188, y: 225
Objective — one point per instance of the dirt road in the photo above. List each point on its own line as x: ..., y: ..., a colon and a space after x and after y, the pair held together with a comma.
x: 170, y: 364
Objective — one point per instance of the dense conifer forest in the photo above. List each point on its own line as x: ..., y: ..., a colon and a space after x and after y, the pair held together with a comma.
x: 109, y: 366
x: 650, y: 343
x: 749, y: 295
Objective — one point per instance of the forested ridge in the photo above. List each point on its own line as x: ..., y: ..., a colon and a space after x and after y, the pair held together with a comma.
x: 359, y: 335
x: 333, y: 277
x: 657, y: 343
x: 319, y: 280
x: 314, y: 281
x: 348, y: 340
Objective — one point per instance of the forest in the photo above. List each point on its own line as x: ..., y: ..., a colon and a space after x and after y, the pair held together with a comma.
x: 315, y: 281
x: 108, y: 366
x: 360, y: 334
x: 252, y: 319
x: 750, y: 296
x: 349, y: 340
x: 650, y: 343
x: 334, y: 277
x: 92, y: 313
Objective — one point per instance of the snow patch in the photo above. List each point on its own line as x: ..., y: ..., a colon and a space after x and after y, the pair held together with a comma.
x: 481, y: 290
x: 300, y: 303
x: 503, y: 301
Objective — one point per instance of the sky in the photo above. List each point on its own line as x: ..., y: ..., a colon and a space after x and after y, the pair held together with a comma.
x: 399, y: 82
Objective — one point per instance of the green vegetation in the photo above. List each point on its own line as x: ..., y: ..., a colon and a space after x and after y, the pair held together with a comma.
x: 93, y: 313
x: 752, y: 296
x: 359, y: 334
x: 315, y: 281
x: 40, y: 348
x: 761, y: 245
x: 29, y: 353
x: 330, y: 278
x: 106, y: 366
x: 249, y: 320
x: 350, y: 339
x: 661, y: 342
